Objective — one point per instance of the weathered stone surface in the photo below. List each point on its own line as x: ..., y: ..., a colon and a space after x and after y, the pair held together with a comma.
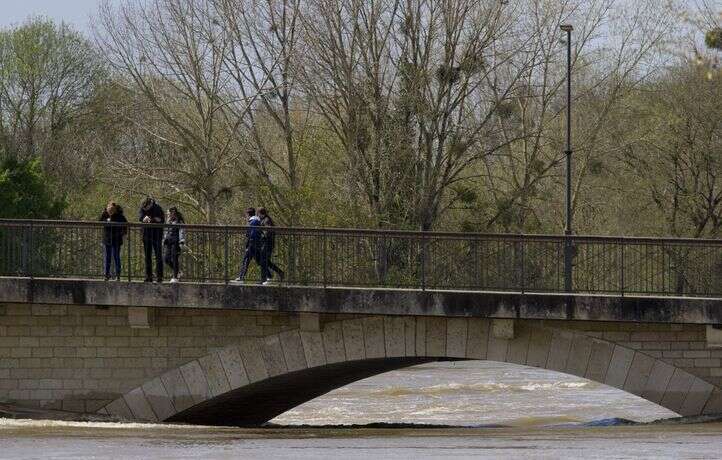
x: 435, y: 336
x: 619, y: 366
x: 599, y: 360
x: 394, y: 329
x: 677, y: 390
x: 68, y: 292
x: 273, y: 355
x: 519, y: 345
x: 139, y: 406
x: 293, y: 350
x: 579, y: 353
x: 714, y: 403
x: 420, y: 336
x: 177, y: 388
x: 120, y: 408
x: 333, y: 343
x: 497, y: 349
x: 456, y: 337
x: 410, y: 335
x: 374, y: 345
x: 539, y: 343
x: 477, y: 338
x: 313, y: 348
x: 697, y: 396
x: 638, y: 373
x: 159, y: 399
x: 195, y: 378
x: 559, y: 350
x: 503, y: 328
x: 233, y: 366
x: 353, y: 338
x: 215, y: 374
x: 253, y: 361
x: 657, y: 382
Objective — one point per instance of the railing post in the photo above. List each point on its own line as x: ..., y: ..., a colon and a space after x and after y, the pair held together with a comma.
x: 129, y: 266
x: 423, y: 263
x: 621, y: 269
x: 225, y: 255
x: 568, y: 260
x: 30, y: 252
x: 521, y: 261
x: 323, y: 254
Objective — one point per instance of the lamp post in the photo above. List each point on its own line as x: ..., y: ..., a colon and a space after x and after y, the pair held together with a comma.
x: 568, y: 249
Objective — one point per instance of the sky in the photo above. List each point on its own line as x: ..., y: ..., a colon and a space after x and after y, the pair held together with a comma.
x: 75, y: 12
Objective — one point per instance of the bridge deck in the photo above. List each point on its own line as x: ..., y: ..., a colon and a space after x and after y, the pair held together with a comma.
x: 346, y: 300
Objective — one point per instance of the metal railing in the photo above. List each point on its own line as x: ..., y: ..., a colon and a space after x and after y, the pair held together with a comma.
x: 375, y: 258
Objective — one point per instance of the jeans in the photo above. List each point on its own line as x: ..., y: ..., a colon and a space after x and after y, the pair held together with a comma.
x: 153, y: 246
x: 267, y: 252
x: 254, y: 252
x: 112, y: 251
x: 172, y: 253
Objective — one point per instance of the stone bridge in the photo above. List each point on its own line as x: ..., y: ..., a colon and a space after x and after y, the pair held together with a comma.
x: 241, y: 355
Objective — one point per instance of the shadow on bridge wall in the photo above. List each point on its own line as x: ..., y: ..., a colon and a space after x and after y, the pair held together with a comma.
x: 251, y: 384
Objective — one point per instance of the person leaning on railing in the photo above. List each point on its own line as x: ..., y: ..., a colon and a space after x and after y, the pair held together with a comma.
x: 174, y: 238
x: 151, y: 212
x: 113, y: 237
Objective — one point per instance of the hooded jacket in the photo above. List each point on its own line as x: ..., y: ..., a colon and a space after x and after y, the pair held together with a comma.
x: 155, y: 212
x: 113, y: 234
x: 175, y: 234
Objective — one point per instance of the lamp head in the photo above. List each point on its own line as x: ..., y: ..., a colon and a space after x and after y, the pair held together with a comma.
x: 566, y: 27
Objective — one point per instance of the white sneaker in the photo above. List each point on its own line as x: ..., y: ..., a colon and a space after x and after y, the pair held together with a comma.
x: 174, y: 280
x: 267, y: 282
x: 237, y: 280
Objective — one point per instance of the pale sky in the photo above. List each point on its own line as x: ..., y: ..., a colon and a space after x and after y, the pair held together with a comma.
x: 75, y: 12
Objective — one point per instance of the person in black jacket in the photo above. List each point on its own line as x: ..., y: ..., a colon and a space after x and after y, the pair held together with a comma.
x: 113, y: 237
x: 268, y: 241
x: 152, y: 213
x: 174, y: 239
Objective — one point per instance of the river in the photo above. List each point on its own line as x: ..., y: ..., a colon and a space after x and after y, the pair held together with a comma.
x: 500, y: 410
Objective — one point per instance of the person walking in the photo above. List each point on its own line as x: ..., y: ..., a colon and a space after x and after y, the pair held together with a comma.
x: 152, y: 213
x: 268, y: 242
x: 113, y: 237
x: 253, y: 248
x: 174, y: 239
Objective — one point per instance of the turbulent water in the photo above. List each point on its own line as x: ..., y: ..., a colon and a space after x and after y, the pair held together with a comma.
x: 503, y: 411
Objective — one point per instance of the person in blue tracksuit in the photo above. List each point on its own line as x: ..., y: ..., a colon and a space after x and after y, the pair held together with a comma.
x: 254, y: 248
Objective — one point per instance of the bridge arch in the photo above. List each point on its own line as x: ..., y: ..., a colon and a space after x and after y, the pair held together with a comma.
x: 252, y: 382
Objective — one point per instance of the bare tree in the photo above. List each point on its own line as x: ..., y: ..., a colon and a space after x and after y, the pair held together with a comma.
x: 169, y: 55
x: 406, y: 86
x: 261, y: 59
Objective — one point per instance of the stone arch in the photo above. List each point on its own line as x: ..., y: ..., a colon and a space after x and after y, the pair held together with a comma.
x: 259, y: 378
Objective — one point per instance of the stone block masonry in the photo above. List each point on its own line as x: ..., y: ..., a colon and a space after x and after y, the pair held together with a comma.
x: 89, y: 359
x: 81, y: 358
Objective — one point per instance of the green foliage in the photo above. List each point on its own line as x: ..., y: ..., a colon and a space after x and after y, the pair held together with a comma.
x: 24, y: 192
x: 713, y: 38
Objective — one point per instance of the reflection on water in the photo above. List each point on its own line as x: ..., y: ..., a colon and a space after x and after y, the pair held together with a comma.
x: 463, y: 393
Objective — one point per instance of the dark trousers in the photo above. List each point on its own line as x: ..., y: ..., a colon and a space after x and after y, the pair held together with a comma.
x: 172, y: 254
x: 254, y: 252
x: 270, y: 266
x: 153, y: 246
x: 112, y: 251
